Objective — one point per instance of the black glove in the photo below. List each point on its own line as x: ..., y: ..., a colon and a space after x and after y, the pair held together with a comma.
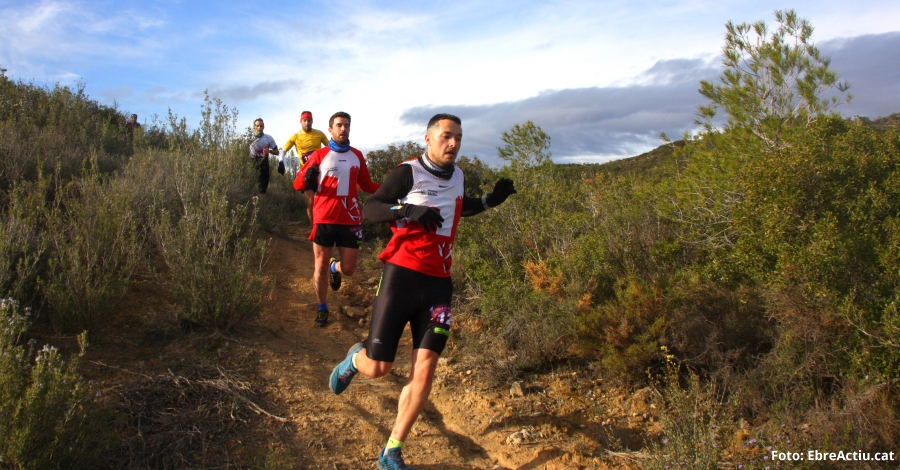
x: 312, y: 178
x: 281, y: 167
x: 502, y: 190
x: 430, y: 219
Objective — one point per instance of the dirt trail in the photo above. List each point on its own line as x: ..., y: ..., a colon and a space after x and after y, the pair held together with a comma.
x: 346, y: 431
x: 558, y: 421
x: 462, y: 428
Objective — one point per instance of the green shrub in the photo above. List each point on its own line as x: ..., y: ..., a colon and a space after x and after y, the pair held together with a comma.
x: 627, y: 332
x: 215, y: 265
x: 541, y: 222
x: 22, y: 246
x: 538, y: 328
x: 626, y: 235
x: 48, y: 416
x: 546, y: 262
x: 817, y: 227
x: 148, y: 179
x: 95, y: 244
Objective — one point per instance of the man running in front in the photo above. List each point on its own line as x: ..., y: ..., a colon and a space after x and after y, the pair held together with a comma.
x: 307, y: 140
x: 423, y: 199
x: 333, y: 173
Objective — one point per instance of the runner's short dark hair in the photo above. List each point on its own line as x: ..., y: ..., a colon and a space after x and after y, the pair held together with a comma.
x: 258, y: 119
x: 440, y: 117
x: 337, y: 115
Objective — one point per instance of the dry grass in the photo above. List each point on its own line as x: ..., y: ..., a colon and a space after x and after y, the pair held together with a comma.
x: 201, y: 416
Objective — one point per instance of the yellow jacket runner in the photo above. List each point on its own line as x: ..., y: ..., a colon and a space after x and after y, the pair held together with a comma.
x: 307, y: 143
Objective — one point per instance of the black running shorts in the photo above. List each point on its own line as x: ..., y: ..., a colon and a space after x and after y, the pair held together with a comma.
x: 406, y: 296
x: 347, y: 236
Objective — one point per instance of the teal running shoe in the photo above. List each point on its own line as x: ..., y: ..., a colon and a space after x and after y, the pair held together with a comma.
x: 392, y: 460
x: 344, y: 372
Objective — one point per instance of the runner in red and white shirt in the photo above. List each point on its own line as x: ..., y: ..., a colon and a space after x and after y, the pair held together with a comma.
x: 334, y: 173
x: 423, y: 199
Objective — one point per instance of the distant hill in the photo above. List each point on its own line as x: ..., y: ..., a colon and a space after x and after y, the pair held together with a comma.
x: 647, y: 163
x: 883, y: 123
x: 644, y: 164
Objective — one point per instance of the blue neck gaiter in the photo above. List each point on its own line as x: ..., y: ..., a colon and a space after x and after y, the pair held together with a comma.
x: 338, y: 148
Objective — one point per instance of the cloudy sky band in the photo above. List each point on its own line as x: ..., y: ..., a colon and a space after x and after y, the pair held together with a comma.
x: 602, y: 78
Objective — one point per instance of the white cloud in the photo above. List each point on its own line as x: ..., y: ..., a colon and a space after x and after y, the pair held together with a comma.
x: 55, y: 31
x: 123, y: 23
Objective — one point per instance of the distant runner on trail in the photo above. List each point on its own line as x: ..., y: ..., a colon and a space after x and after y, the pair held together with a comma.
x: 423, y: 199
x: 261, y: 146
x: 333, y: 173
x: 307, y: 140
x: 132, y: 125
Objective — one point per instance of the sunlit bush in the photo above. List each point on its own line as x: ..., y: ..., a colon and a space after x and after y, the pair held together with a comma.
x: 49, y: 417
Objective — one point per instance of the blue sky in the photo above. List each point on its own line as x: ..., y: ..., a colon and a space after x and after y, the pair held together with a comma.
x: 602, y: 78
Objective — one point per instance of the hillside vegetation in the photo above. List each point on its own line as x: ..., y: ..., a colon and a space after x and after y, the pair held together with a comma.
x: 749, y: 273
x: 86, y: 205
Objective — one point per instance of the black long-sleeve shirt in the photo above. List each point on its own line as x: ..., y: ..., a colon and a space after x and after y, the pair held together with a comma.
x: 396, y: 186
